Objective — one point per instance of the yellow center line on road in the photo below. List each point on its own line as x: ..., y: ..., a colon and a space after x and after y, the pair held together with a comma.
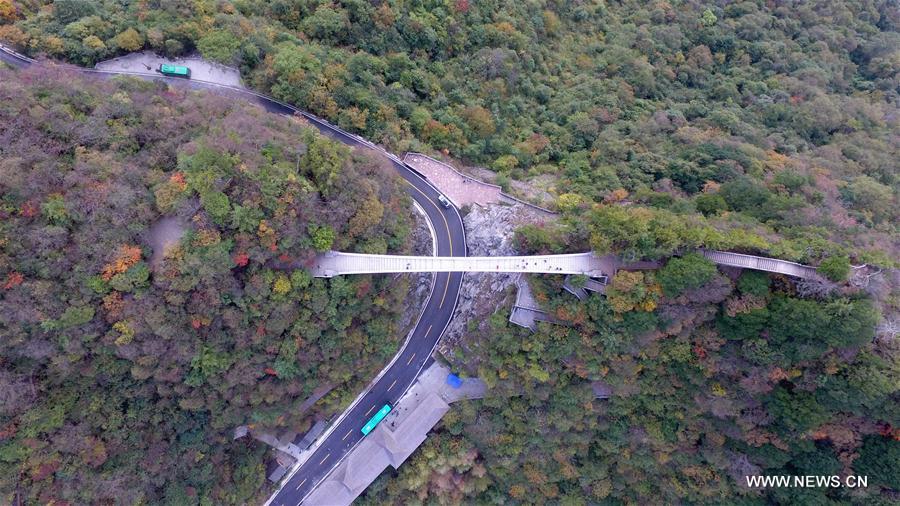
x: 348, y: 434
x: 446, y: 223
x: 369, y: 411
x: 447, y: 286
x: 411, y: 359
x: 301, y: 483
x: 392, y: 385
x: 324, y: 459
x: 449, y: 238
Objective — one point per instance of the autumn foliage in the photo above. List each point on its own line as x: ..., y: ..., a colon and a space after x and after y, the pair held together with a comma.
x: 241, y: 259
x: 122, y: 377
x: 13, y: 279
x: 127, y: 256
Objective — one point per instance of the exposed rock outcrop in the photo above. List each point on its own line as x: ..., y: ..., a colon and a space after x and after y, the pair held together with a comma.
x: 489, y: 232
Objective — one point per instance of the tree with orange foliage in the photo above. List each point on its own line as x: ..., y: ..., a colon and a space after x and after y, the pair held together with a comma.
x: 617, y: 195
x: 631, y: 291
x: 241, y: 259
x: 113, y: 305
x: 13, y: 280
x: 7, y: 10
x: 29, y: 209
x: 128, y: 255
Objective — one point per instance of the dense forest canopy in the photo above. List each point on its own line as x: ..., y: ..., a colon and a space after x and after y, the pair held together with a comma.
x: 779, y: 112
x: 709, y: 377
x: 123, y: 370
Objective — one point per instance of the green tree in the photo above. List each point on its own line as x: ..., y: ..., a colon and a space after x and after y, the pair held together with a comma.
x: 137, y: 276
x: 685, y: 273
x: 67, y: 11
x: 795, y: 409
x: 219, y: 45
x: 835, y: 268
x: 217, y: 205
x: 130, y: 40
x: 710, y: 203
x: 879, y: 458
x: 323, y: 161
x: 749, y: 196
x: 54, y: 210
x: 75, y: 316
x: 746, y: 325
x: 505, y: 163
x: 754, y: 283
x: 791, y: 180
x: 326, y: 23
x: 322, y: 237
x: 867, y: 194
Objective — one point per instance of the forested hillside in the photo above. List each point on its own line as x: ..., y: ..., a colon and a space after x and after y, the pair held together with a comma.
x: 709, y: 377
x: 125, y: 369
x: 781, y: 112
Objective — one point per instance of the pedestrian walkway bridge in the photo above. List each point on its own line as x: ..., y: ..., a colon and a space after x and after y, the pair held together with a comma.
x: 335, y: 263
x: 762, y: 264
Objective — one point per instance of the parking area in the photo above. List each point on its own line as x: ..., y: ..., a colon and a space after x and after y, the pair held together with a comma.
x: 459, y: 188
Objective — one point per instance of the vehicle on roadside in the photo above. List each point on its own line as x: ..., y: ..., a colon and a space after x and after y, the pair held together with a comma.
x: 174, y: 71
x: 444, y: 201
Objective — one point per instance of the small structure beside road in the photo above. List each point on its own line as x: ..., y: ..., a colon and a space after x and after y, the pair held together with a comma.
x: 310, y: 437
x: 461, y: 189
x: 398, y: 436
x: 287, y: 448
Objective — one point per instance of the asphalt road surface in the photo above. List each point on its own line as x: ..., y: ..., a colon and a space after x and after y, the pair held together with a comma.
x: 406, y: 367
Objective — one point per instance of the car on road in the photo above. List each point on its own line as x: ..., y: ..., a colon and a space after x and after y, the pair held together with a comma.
x: 444, y: 201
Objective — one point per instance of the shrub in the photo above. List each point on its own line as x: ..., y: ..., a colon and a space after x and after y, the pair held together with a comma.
x: 754, y: 283
x: 835, y: 268
x: 710, y: 203
x: 690, y: 271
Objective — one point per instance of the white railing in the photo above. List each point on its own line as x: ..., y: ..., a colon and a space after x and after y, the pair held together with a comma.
x: 335, y: 263
x: 761, y: 264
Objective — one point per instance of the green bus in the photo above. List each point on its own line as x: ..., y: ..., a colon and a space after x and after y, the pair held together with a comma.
x: 376, y: 418
x: 174, y: 71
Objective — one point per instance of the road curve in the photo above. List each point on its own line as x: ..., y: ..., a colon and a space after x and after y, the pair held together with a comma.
x: 416, y: 353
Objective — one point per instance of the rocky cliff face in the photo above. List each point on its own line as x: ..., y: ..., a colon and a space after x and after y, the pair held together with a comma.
x: 489, y: 232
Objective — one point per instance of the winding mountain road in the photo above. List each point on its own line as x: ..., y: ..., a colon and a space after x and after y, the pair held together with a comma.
x: 415, y: 354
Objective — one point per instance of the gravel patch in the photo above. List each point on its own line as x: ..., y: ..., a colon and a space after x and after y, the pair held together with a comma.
x: 148, y: 62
